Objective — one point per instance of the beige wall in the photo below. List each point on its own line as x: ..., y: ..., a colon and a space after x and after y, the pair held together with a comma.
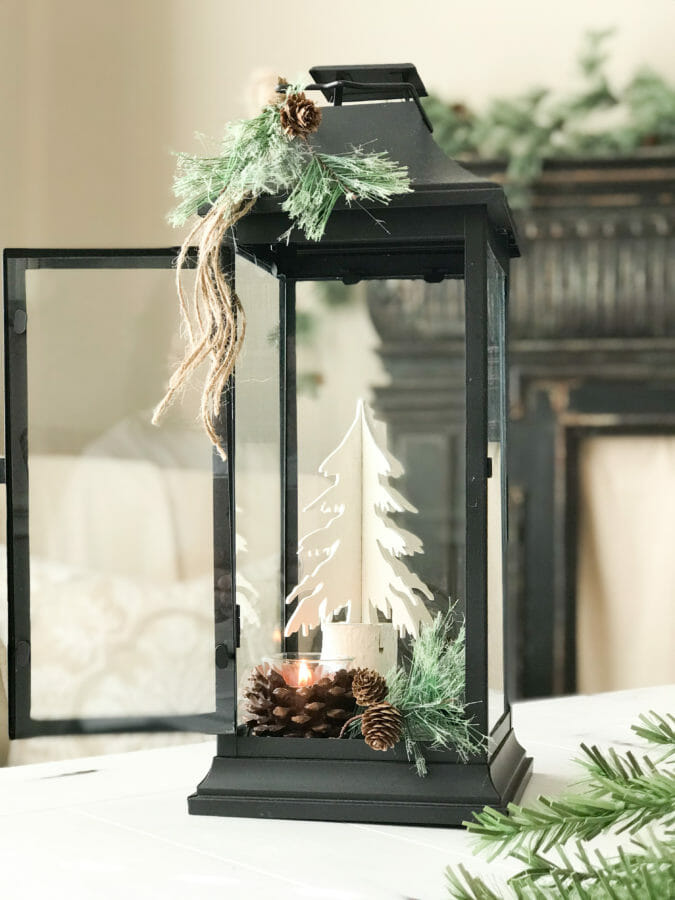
x: 626, y: 571
x: 94, y: 95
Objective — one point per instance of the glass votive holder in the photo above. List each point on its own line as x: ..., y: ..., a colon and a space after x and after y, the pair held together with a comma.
x: 300, y: 695
x: 304, y: 669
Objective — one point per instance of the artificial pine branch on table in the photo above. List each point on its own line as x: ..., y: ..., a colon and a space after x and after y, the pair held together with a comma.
x: 621, y: 794
x: 645, y: 875
x: 657, y: 730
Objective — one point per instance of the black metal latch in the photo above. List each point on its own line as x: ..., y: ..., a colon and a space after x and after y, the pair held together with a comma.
x: 237, y: 625
x: 223, y: 651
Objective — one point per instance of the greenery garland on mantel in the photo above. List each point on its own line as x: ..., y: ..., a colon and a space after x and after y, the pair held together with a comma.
x: 596, y: 120
x: 620, y: 794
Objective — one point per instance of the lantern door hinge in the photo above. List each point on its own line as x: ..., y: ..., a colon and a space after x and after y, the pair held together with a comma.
x: 488, y: 467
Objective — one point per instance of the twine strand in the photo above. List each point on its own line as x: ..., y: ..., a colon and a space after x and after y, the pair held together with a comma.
x: 213, y: 318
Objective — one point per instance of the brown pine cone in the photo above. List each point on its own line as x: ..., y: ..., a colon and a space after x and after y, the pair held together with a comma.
x: 313, y: 711
x: 369, y: 687
x: 299, y: 116
x: 381, y: 726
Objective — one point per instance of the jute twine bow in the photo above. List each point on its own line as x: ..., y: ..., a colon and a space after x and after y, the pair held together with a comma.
x: 213, y: 318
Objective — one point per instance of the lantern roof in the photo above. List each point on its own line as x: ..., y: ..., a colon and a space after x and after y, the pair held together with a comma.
x: 432, y: 214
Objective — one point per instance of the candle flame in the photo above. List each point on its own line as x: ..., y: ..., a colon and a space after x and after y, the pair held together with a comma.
x: 304, y: 674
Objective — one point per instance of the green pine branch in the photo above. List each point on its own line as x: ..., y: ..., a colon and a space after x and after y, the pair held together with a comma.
x: 644, y: 873
x: 356, y: 176
x: 429, y: 692
x: 658, y: 730
x: 257, y: 158
x: 621, y: 793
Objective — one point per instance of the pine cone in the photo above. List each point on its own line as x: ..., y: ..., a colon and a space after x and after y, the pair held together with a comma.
x: 368, y: 687
x: 317, y: 710
x: 382, y: 725
x: 299, y: 116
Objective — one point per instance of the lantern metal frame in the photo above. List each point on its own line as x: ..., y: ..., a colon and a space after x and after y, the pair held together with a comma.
x: 442, y: 230
x: 346, y: 780
x: 14, y: 472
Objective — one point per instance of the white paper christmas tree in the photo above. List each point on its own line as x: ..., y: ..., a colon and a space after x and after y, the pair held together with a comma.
x: 355, y: 560
x: 246, y: 594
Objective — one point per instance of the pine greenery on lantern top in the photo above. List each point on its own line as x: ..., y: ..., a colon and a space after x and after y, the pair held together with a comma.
x: 270, y: 154
x: 354, y: 561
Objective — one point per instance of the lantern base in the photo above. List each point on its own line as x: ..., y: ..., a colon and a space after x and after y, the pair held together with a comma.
x: 368, y: 789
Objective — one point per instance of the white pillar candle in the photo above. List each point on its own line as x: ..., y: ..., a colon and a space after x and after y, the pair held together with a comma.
x: 371, y: 646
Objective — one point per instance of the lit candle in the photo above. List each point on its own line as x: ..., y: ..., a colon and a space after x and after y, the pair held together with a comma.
x: 302, y: 670
x: 297, y: 672
x: 304, y: 674
x: 300, y: 695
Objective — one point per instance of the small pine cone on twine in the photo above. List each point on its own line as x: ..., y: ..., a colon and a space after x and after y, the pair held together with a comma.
x: 368, y: 687
x: 382, y: 726
x: 299, y: 116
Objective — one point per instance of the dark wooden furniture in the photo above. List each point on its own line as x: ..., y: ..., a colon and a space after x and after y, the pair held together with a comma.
x: 592, y: 352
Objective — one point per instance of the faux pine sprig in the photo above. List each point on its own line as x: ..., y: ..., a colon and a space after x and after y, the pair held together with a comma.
x: 646, y: 872
x: 270, y: 154
x: 257, y: 157
x: 357, y: 176
x: 420, y: 702
x: 429, y: 692
x: 658, y: 730
x: 621, y: 794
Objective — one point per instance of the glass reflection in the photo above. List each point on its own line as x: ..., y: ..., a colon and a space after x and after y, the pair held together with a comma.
x: 380, y: 460
x: 120, y: 512
x: 257, y: 474
x: 496, y: 490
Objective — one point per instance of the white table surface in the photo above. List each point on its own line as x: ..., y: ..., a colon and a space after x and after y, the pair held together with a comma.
x: 117, y: 826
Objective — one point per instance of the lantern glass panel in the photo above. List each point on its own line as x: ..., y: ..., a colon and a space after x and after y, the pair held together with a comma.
x: 380, y: 457
x: 257, y: 474
x: 496, y: 487
x: 121, y: 546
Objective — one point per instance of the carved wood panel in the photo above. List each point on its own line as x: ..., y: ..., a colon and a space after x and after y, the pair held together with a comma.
x: 592, y: 350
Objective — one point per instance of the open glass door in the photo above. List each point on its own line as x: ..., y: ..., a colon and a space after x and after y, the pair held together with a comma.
x: 113, y: 567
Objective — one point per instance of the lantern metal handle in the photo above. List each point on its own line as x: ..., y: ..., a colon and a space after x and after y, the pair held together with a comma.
x: 337, y: 88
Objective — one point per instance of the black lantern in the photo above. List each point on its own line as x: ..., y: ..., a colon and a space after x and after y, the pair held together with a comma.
x: 311, y: 392
x: 366, y: 430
